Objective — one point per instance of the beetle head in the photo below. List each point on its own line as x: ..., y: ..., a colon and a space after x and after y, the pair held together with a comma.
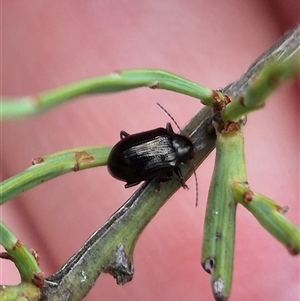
x: 183, y: 147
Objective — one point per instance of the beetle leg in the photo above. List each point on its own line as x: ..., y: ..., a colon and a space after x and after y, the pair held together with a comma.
x: 167, y: 176
x: 123, y: 134
x: 169, y: 128
x: 179, y: 174
x: 127, y: 185
x: 157, y: 188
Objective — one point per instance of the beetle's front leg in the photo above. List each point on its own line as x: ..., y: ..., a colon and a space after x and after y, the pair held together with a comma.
x: 179, y: 174
x: 127, y: 185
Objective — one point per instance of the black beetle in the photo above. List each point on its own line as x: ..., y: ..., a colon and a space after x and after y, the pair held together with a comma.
x: 148, y: 155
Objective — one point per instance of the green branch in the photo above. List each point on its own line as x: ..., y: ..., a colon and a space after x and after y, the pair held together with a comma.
x: 52, y: 166
x: 270, y: 215
x: 254, y: 98
x: 21, y: 292
x: 31, y: 276
x: 18, y: 107
x: 219, y: 229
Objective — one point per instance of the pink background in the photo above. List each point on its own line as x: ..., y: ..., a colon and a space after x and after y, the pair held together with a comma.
x: 50, y: 43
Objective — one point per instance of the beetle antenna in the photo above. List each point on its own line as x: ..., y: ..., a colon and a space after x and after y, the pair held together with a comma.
x: 169, y: 116
x: 196, y: 180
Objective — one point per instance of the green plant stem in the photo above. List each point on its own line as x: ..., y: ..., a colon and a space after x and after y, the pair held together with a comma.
x: 156, y: 79
x: 21, y: 292
x: 51, y: 166
x: 19, y: 254
x: 272, y: 76
x: 270, y: 215
x: 219, y: 229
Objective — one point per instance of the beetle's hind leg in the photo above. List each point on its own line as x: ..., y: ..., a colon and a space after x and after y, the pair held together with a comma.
x: 123, y: 134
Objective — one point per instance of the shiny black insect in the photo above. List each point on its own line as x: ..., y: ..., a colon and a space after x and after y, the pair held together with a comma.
x: 147, y: 155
